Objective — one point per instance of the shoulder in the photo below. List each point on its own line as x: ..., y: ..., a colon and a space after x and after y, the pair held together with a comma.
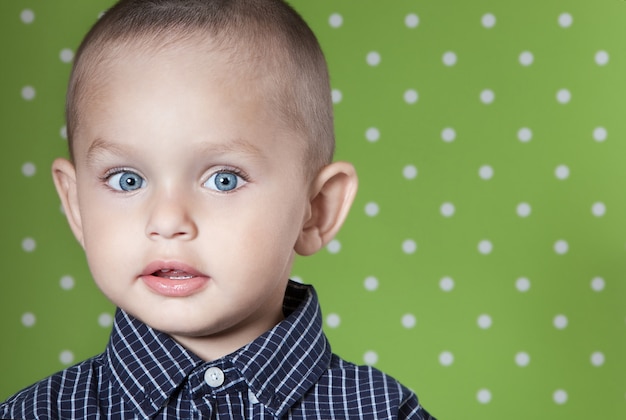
x: 377, y: 394
x: 45, y: 398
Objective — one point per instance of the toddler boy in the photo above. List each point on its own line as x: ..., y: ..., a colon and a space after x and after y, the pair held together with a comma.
x: 201, y: 142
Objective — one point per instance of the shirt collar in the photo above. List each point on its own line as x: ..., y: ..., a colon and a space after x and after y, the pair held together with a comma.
x: 147, y: 366
x: 284, y: 363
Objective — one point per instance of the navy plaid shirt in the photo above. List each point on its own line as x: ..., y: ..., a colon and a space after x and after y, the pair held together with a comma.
x: 288, y: 372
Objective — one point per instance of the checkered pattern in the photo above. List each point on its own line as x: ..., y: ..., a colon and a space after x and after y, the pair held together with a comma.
x: 289, y: 372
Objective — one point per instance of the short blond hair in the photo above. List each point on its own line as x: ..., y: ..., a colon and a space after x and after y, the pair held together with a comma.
x: 270, y: 32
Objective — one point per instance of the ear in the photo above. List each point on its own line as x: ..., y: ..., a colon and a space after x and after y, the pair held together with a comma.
x: 64, y: 176
x: 332, y: 193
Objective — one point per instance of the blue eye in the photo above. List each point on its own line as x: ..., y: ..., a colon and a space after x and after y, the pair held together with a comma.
x: 224, y: 181
x: 126, y: 181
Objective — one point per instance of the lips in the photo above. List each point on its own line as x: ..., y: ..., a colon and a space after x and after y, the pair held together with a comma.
x: 173, y: 279
x: 172, y: 270
x: 168, y: 273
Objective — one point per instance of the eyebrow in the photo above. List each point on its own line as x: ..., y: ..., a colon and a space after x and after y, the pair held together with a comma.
x: 235, y: 145
x: 101, y: 146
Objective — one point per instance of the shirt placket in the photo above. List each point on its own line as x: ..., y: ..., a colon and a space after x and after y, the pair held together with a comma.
x: 219, y: 392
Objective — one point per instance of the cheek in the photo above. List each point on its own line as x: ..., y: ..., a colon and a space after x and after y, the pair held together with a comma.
x: 110, y: 234
x: 282, y: 217
x: 106, y: 224
x: 266, y: 231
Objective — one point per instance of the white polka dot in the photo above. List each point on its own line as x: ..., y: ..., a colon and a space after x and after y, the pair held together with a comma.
x: 333, y: 320
x: 522, y: 284
x: 447, y: 209
x: 373, y: 58
x: 522, y: 359
x: 27, y: 16
x: 597, y: 359
x: 562, y: 172
x: 563, y: 96
x: 28, y: 93
x: 446, y: 284
x: 408, y: 321
x: 335, y: 20
x: 597, y: 284
x: 598, y: 209
x: 28, y: 319
x: 449, y: 58
x: 485, y: 247
x: 487, y: 96
x: 560, y: 396
x: 29, y: 244
x: 602, y: 58
x: 523, y: 209
x: 371, y: 209
x: 297, y: 279
x: 334, y: 246
x: 29, y: 169
x: 526, y: 58
x: 105, y: 320
x: 411, y: 96
x: 370, y: 358
x: 484, y: 321
x: 483, y: 396
x: 565, y: 20
x: 485, y: 172
x: 560, y: 322
x: 411, y: 20
x: 488, y: 20
x: 371, y: 283
x: 372, y: 134
x: 525, y: 134
x: 599, y: 134
x: 561, y: 247
x: 409, y: 246
x: 67, y: 282
x: 66, y: 357
x: 63, y: 132
x: 409, y: 172
x: 446, y: 358
x: 448, y: 134
x: 337, y: 96
x: 66, y: 55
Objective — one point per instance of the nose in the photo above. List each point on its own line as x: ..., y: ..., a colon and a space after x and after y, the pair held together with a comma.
x: 170, y: 217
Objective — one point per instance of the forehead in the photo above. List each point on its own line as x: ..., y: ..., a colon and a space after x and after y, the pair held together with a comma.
x: 172, y: 57
x: 205, y: 91
x: 222, y: 62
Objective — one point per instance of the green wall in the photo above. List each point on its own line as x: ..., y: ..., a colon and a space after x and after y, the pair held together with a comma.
x: 483, y: 261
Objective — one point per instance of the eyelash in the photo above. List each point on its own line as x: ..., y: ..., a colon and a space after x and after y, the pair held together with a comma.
x: 231, y: 170
x: 228, y: 170
x: 114, y: 171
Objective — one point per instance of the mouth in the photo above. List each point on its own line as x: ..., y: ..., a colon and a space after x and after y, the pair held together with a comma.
x: 173, y: 279
x: 171, y: 270
x: 173, y: 274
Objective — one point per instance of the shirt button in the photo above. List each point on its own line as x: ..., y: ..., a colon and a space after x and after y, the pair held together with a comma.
x: 214, y: 377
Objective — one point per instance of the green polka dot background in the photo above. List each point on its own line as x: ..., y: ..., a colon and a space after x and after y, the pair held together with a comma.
x: 483, y: 262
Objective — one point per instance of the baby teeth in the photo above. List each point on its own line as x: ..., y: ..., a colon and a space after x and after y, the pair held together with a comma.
x: 175, y: 274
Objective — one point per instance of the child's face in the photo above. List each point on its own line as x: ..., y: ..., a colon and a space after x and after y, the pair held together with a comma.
x: 190, y: 196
